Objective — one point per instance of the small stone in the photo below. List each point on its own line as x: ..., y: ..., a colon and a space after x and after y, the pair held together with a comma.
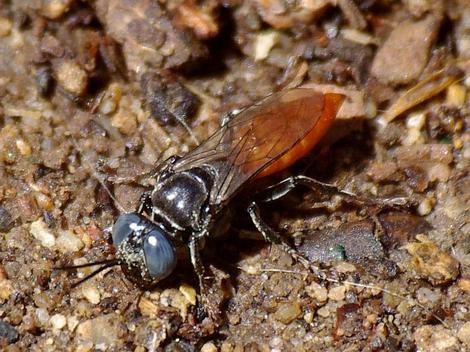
x: 84, y: 346
x: 264, y: 42
x: 111, y: 99
x: 6, y: 289
x: 23, y: 147
x: 345, y: 267
x: 41, y: 232
x: 209, y: 347
x: 174, y: 298
x: 71, y: 77
x: 464, y: 285
x: 54, y: 9
x: 337, y: 293
x: 434, y: 338
x: 427, y: 296
x: 431, y: 263
x: 324, y: 312
x: 72, y: 322
x: 42, y: 317
x: 464, y: 334
x: 103, y: 330
x: 125, y: 121
x: 147, y: 307
x: 5, y: 219
x: 317, y: 291
x: 308, y: 317
x: 416, y: 121
x: 426, y: 206
x: 226, y: 347
x: 5, y: 26
x: 8, y: 332
x: 189, y: 293
x: 456, y: 95
x: 44, y: 202
x: 67, y: 242
x: 287, y: 312
x: 91, y: 293
x: 58, y: 321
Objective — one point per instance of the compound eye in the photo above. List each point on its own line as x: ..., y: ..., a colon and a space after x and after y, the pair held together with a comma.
x: 160, y: 255
x: 124, y: 226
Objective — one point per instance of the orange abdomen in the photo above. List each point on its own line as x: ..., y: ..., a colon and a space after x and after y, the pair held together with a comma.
x: 331, y: 104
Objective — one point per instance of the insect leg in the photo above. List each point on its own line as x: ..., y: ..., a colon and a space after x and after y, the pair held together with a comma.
x: 145, y: 203
x: 272, y: 236
x: 198, y: 265
x: 280, y: 189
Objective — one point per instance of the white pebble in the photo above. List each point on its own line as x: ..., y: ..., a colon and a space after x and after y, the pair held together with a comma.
x: 41, y: 232
x: 92, y: 294
x: 416, y: 121
x: 67, y: 242
x: 426, y: 206
x: 209, y: 347
x: 58, y: 321
x: 264, y: 42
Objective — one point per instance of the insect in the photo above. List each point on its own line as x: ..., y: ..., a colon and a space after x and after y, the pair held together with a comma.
x: 192, y: 193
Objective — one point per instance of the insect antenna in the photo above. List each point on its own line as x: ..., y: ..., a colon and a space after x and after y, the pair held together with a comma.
x: 361, y: 285
x: 96, y: 176
x: 106, y: 264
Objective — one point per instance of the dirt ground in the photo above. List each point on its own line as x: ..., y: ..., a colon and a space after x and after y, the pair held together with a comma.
x: 96, y: 91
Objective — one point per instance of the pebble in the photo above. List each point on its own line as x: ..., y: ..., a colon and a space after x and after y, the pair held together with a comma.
x: 209, y: 347
x: 264, y: 42
x: 125, y: 121
x: 308, y: 317
x: 456, y: 95
x: 189, y: 293
x: 464, y: 334
x: 58, y: 321
x: 67, y: 242
x: 337, y: 293
x: 71, y: 77
x: 464, y: 284
x: 426, y: 206
x: 287, y: 312
x: 317, y: 291
x: 41, y: 232
x: 324, y: 312
x: 5, y: 26
x: 6, y: 289
x: 111, y: 99
x: 434, y: 338
x: 174, y: 298
x: 23, y: 147
x: 8, y: 332
x: 91, y: 293
x: 102, y: 330
x: 427, y: 296
x: 54, y: 9
x: 72, y: 322
x: 147, y: 307
x: 345, y: 267
x: 5, y: 219
x: 42, y: 316
x: 434, y: 265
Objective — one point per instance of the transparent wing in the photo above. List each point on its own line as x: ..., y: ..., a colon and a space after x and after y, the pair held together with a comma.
x: 256, y: 138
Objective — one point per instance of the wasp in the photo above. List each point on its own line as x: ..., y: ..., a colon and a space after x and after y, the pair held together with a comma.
x: 192, y: 193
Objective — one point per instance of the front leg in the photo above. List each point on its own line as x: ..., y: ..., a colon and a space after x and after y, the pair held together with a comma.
x: 145, y: 204
x: 194, y: 251
x: 272, y: 236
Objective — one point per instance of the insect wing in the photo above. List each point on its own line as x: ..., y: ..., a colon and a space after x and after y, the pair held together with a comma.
x: 254, y: 139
